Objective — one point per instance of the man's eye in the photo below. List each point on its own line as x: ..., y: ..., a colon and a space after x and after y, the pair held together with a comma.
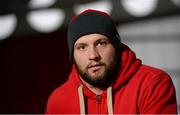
x: 81, y: 47
x: 101, y: 43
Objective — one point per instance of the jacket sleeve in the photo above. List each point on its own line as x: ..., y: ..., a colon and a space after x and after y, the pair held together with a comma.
x: 158, y: 96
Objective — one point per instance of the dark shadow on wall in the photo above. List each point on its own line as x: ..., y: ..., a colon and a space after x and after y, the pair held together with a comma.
x: 31, y: 67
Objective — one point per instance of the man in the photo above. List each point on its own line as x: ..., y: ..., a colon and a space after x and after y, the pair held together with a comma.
x: 106, y: 76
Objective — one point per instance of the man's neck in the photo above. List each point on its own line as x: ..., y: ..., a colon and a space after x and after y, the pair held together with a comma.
x: 95, y: 90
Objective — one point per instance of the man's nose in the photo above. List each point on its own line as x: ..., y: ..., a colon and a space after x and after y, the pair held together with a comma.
x: 94, y: 54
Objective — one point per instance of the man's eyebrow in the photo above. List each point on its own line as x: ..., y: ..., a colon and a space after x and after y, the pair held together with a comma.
x: 77, y: 44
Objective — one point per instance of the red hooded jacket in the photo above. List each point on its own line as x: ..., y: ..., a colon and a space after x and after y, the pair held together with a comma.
x: 139, y: 89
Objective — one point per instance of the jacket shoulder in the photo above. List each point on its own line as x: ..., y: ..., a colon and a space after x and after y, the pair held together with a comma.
x: 60, y: 98
x: 157, y: 94
x: 61, y: 90
x: 153, y: 73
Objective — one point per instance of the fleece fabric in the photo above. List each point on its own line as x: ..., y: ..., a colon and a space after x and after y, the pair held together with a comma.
x: 138, y: 89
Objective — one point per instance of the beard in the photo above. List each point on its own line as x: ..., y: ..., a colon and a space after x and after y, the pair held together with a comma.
x: 102, y: 80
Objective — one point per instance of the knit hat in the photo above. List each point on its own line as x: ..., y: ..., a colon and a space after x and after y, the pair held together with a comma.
x: 92, y: 21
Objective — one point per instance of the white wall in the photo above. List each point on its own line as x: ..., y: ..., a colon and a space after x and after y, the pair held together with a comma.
x: 157, y: 43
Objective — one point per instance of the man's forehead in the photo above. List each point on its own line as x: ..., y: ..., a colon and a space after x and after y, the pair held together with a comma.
x: 91, y: 38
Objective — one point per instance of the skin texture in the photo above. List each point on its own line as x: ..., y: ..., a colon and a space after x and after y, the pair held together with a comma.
x: 94, y: 58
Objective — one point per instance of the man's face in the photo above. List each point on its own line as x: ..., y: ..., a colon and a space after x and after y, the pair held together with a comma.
x: 95, y: 59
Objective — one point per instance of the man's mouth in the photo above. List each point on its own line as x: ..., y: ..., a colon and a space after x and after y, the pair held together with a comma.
x: 95, y: 67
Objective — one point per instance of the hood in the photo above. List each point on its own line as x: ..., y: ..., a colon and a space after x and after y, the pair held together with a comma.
x: 129, y: 65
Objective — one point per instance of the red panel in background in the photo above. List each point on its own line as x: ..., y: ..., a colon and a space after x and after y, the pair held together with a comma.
x: 31, y: 67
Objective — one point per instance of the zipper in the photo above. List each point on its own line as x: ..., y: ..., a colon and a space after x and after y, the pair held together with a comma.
x: 98, y: 101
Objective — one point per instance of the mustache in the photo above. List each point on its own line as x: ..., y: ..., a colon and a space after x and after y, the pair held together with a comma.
x: 93, y: 64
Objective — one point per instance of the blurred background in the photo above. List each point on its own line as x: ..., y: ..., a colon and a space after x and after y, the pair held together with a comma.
x: 34, y: 57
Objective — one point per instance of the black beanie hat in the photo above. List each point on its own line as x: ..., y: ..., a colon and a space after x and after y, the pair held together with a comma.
x: 92, y: 21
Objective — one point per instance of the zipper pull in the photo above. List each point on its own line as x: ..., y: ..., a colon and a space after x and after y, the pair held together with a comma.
x: 98, y: 99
